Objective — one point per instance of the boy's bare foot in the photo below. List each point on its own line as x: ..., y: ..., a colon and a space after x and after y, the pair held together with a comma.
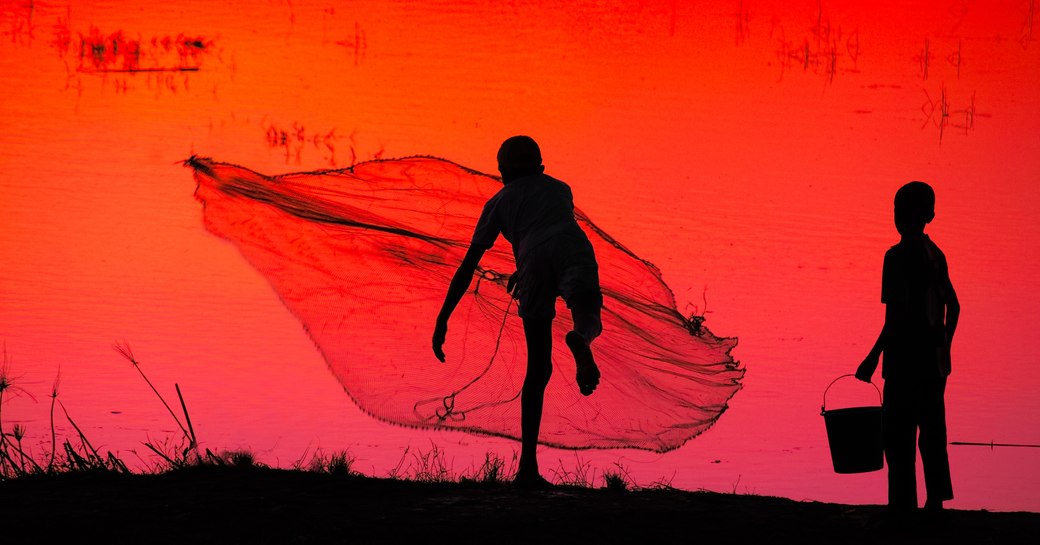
x: 588, y: 373
x: 530, y: 481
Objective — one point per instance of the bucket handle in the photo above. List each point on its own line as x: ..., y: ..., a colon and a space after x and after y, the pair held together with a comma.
x: 823, y: 408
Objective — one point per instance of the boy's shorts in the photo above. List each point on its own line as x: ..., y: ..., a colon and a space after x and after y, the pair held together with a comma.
x: 563, y: 266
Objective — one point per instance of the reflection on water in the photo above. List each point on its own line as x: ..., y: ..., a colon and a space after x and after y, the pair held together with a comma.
x: 749, y: 149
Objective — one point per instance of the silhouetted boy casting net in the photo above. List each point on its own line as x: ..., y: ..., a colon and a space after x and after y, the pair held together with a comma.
x: 362, y: 256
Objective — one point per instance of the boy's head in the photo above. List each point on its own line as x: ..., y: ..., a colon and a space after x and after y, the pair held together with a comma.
x: 914, y: 207
x: 519, y: 156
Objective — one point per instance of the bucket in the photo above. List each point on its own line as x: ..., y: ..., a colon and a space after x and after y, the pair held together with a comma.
x: 854, y: 435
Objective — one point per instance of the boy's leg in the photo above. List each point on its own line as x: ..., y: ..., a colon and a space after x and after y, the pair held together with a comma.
x: 587, y: 322
x: 932, y: 441
x: 538, y: 333
x: 900, y: 430
x: 585, y: 312
x: 579, y: 286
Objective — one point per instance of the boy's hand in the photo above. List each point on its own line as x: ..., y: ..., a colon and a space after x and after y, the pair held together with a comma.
x: 866, y: 369
x: 439, y: 334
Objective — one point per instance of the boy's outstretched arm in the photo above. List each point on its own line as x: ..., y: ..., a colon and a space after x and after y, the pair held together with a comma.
x: 458, y: 287
x: 870, y: 363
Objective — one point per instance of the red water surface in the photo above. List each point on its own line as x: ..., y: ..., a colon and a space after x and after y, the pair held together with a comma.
x: 749, y: 149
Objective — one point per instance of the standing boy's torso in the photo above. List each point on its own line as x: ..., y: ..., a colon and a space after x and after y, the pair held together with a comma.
x: 915, y: 287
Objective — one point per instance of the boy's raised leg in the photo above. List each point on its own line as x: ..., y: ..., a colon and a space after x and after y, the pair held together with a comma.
x: 588, y: 373
x: 587, y: 326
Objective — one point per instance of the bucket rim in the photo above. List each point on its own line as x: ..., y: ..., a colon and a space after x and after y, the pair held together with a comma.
x: 864, y: 409
x: 823, y: 408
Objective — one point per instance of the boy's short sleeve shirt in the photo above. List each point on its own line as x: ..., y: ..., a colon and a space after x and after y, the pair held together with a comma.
x: 889, y: 276
x: 915, y: 267
x: 486, y: 232
x: 527, y: 212
x: 915, y: 284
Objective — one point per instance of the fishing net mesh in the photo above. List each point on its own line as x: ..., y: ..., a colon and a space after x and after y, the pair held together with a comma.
x: 363, y: 258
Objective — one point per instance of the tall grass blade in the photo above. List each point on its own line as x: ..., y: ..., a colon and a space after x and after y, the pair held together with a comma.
x: 186, y: 417
x: 124, y: 350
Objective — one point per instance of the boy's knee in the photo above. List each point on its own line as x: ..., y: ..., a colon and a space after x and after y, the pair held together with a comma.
x: 589, y: 301
x: 585, y: 311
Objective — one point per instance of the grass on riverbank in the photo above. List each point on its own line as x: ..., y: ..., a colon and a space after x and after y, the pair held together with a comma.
x: 77, y: 454
x: 251, y: 504
x: 74, y: 491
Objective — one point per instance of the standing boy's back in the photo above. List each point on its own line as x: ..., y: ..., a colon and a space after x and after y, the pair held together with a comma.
x: 915, y: 283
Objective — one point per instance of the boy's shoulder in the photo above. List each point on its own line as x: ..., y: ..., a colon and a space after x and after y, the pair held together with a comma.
x: 910, y: 254
x: 932, y: 249
x: 914, y: 244
x: 497, y: 196
x: 932, y: 244
x: 552, y: 179
x: 532, y: 185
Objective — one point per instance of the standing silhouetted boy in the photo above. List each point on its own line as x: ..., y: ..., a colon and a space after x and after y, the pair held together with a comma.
x: 554, y: 257
x: 921, y: 312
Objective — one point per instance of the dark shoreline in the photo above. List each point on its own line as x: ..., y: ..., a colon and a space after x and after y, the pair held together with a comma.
x: 259, y: 505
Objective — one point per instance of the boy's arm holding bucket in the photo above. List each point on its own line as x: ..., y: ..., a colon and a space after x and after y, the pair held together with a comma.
x: 870, y: 363
x: 888, y: 277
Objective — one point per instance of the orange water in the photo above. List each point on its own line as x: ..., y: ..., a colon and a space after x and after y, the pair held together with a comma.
x: 749, y: 149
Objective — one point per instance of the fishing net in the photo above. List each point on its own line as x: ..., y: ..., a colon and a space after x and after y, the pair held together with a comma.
x: 363, y: 257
